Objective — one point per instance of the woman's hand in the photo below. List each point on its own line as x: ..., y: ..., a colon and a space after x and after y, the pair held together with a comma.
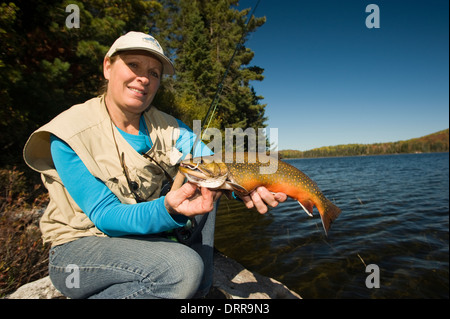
x: 186, y: 200
x: 260, y: 198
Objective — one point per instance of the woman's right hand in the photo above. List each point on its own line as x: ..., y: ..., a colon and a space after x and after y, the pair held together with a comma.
x: 185, y: 202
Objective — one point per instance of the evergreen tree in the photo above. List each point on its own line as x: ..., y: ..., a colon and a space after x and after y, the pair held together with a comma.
x: 207, y: 33
x: 45, y: 67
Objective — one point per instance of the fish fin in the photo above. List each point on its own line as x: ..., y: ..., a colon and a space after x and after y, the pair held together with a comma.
x: 329, y: 215
x: 238, y: 188
x: 307, y: 207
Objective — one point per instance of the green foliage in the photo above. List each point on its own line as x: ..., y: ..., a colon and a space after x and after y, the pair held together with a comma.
x: 46, y: 67
x: 207, y: 33
x: 436, y: 142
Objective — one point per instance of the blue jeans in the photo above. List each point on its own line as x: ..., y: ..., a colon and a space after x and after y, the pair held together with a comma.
x: 135, y: 267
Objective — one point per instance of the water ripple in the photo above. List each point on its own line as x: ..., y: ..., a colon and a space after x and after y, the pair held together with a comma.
x: 395, y: 213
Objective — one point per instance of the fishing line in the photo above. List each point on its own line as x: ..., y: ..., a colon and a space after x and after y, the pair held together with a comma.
x: 188, y: 236
x: 215, y: 102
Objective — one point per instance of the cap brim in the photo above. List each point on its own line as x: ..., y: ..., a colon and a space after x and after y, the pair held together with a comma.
x: 168, y: 67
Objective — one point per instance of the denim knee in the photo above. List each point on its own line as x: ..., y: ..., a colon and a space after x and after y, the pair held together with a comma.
x: 126, y: 268
x: 183, y: 275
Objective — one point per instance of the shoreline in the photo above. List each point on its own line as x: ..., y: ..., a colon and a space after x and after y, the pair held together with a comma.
x: 362, y: 155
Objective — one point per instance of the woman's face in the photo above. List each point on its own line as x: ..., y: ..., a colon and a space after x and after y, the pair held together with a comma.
x: 133, y: 80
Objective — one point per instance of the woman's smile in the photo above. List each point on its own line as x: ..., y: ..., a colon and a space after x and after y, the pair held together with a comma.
x: 133, y: 80
x: 138, y: 92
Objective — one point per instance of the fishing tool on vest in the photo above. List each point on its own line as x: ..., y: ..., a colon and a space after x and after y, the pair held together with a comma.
x: 133, y: 185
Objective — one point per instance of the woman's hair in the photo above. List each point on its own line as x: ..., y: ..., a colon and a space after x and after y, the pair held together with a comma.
x: 104, y: 86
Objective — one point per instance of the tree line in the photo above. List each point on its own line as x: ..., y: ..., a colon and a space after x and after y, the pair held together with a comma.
x: 46, y: 66
x: 436, y: 142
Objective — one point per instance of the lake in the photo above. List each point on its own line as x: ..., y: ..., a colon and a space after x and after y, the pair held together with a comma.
x: 395, y: 214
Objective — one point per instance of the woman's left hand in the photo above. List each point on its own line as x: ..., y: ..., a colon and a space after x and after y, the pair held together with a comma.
x: 261, y: 198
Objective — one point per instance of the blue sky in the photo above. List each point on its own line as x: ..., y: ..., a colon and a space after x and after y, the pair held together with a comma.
x: 330, y: 80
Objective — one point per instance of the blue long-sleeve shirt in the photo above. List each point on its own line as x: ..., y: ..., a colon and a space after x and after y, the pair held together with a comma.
x: 102, y: 206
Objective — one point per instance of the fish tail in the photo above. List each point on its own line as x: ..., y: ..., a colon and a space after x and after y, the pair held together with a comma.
x: 328, y: 215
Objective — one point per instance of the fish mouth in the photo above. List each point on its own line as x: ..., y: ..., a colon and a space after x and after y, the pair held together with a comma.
x: 201, y: 175
x: 193, y: 171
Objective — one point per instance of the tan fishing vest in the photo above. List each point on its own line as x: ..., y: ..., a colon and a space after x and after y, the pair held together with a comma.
x: 88, y: 130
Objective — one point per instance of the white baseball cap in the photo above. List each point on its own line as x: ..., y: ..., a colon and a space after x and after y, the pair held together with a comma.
x: 140, y: 41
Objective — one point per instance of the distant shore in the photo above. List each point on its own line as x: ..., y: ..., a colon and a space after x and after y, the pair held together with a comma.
x: 433, y: 143
x: 338, y: 156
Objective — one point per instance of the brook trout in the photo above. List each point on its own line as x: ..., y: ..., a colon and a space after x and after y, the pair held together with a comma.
x: 243, y: 177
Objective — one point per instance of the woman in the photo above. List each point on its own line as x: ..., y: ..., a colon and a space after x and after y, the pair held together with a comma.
x: 105, y: 163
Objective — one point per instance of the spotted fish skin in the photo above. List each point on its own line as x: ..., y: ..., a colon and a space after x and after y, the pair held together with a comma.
x: 244, y: 177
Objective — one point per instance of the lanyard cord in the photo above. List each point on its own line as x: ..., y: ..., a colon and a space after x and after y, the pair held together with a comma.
x: 132, y: 185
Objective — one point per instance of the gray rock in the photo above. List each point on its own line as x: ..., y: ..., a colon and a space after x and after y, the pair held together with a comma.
x: 230, y: 278
x: 39, y: 289
x: 237, y: 282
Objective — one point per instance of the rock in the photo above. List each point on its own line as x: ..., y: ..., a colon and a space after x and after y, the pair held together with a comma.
x: 239, y: 283
x: 39, y: 289
x: 231, y: 281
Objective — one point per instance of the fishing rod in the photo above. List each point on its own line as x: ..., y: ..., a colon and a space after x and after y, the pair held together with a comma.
x: 215, y: 101
x: 179, y: 179
x: 187, y: 235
